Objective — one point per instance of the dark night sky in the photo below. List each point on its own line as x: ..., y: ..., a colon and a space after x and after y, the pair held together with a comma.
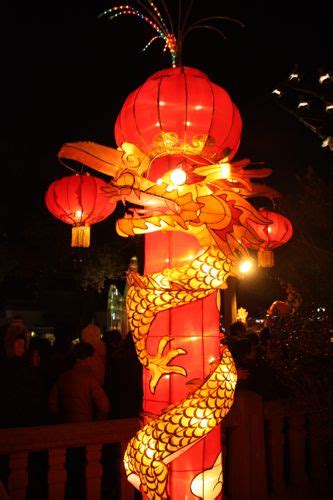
x: 69, y: 73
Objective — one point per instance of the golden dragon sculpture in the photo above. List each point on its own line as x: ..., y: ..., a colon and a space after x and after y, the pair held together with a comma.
x: 208, y: 201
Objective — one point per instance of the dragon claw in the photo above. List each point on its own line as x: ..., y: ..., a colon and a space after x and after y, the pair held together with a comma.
x: 159, y: 364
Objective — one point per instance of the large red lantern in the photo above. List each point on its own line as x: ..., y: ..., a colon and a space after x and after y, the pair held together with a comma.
x: 275, y: 234
x: 179, y: 110
x: 79, y: 200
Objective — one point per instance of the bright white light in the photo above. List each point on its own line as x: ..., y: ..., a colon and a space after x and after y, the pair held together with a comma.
x: 33, y: 334
x: 324, y: 77
x: 225, y: 170
x: 245, y: 266
x: 178, y: 177
x: 329, y: 107
x: 293, y: 76
x: 211, y: 359
x: 303, y: 104
x: 159, y: 181
x: 78, y: 214
x: 277, y: 92
x: 188, y: 124
x: 326, y: 142
x: 269, y: 229
x: 198, y: 107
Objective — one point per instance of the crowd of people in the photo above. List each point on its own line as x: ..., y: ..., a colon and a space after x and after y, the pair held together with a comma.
x: 98, y: 376
x: 95, y: 377
x: 85, y: 380
x: 255, y: 352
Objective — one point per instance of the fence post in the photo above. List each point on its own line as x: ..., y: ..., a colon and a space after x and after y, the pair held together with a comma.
x: 94, y: 471
x: 18, y: 475
x: 299, y: 480
x: 57, y: 473
x: 275, y: 452
x: 247, y: 472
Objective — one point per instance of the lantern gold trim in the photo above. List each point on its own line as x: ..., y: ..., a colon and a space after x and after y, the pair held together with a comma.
x: 265, y: 258
x: 81, y: 236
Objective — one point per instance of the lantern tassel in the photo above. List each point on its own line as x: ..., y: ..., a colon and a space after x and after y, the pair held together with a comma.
x: 81, y: 236
x: 265, y: 258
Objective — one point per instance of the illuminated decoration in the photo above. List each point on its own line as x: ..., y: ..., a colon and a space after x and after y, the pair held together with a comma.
x: 303, y: 104
x: 180, y: 111
x: 176, y: 136
x: 214, y: 210
x: 324, y: 77
x: 242, y: 315
x: 294, y: 76
x: 152, y: 16
x: 328, y: 141
x: 277, y: 233
x: 148, y: 12
x: 79, y: 200
x: 277, y: 92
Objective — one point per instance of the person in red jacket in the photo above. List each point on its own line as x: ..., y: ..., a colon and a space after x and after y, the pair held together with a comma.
x: 77, y: 396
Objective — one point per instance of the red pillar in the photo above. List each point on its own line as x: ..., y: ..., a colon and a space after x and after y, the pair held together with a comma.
x: 195, y: 328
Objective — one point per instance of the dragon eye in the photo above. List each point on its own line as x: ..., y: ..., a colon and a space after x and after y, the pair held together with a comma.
x: 178, y: 177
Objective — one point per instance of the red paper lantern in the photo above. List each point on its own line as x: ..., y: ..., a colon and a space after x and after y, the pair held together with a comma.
x: 79, y: 200
x: 273, y: 235
x: 180, y: 110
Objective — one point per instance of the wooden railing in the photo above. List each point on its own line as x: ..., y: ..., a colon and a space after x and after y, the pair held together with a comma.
x: 17, y: 444
x: 272, y: 451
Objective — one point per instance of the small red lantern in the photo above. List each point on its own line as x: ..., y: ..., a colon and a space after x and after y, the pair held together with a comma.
x: 278, y: 232
x: 79, y: 200
x: 180, y: 110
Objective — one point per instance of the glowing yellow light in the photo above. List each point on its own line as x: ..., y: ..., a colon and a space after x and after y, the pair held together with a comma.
x: 159, y: 181
x: 269, y: 229
x: 211, y: 359
x: 198, y: 107
x: 178, y: 177
x: 225, y: 170
x: 33, y: 334
x: 242, y: 315
x: 245, y: 266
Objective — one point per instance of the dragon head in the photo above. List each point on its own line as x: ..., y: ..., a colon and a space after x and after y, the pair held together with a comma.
x: 204, y: 199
